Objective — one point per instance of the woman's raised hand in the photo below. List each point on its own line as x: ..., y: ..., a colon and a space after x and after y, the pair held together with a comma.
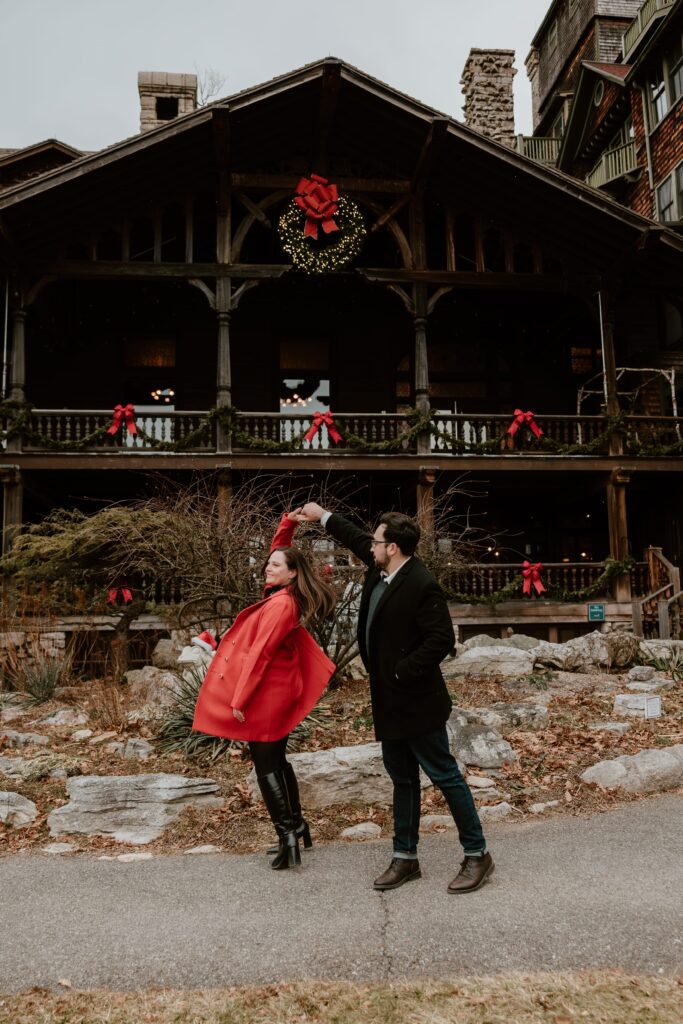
x: 238, y: 715
x: 295, y: 515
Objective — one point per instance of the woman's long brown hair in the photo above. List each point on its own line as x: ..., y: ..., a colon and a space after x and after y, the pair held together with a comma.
x: 315, y: 597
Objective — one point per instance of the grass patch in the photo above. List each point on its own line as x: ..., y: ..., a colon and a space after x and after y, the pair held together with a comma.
x: 596, y: 997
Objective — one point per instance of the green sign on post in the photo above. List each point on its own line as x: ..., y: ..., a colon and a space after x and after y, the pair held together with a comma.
x: 596, y: 613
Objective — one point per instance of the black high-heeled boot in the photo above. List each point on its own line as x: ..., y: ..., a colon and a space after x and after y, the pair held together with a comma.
x: 300, y: 824
x: 276, y: 799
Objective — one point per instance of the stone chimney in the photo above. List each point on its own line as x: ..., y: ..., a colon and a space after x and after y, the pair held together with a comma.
x: 163, y: 96
x: 487, y: 87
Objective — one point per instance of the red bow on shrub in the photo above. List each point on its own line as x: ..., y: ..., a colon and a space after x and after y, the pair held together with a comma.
x: 113, y: 594
x: 319, y: 200
x: 524, y: 419
x: 532, y: 575
x: 318, y: 419
x: 123, y: 413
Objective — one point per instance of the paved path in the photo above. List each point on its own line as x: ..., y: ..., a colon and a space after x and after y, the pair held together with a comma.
x: 567, y: 893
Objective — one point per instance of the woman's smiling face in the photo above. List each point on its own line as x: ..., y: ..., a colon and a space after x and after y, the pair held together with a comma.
x: 278, y: 573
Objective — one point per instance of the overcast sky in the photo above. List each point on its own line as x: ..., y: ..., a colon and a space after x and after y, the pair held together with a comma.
x: 68, y: 68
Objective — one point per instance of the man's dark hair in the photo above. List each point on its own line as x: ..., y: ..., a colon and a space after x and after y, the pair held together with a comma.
x: 400, y: 530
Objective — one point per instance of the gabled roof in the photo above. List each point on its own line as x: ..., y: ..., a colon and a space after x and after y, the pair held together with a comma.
x: 375, y: 118
x: 577, y: 125
x: 613, y: 72
x: 10, y: 156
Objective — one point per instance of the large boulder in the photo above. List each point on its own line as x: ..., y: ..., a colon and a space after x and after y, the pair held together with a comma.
x: 340, y: 775
x: 526, y: 715
x: 492, y: 660
x: 129, y: 808
x: 649, y: 771
x: 165, y: 654
x: 65, y: 716
x: 477, y: 745
x: 589, y: 652
x: 19, y: 740
x: 481, y: 640
x: 16, y: 810
x: 151, y: 685
x: 524, y: 642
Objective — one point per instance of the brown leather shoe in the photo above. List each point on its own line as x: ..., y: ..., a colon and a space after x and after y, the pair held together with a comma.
x: 473, y: 873
x: 398, y: 872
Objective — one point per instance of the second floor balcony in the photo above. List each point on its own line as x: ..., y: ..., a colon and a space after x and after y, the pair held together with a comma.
x: 614, y: 164
x: 73, y: 431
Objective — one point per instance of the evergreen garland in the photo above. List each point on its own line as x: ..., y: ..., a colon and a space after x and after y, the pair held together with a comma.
x: 18, y: 416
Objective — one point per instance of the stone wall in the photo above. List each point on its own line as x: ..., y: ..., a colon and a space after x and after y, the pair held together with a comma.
x: 487, y: 87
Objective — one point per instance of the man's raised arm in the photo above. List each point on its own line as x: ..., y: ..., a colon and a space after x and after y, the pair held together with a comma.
x: 342, y: 529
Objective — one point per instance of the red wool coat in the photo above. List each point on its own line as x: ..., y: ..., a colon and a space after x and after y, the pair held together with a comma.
x: 267, y: 666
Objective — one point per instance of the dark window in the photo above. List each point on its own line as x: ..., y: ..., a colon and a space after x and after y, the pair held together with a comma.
x: 675, y: 65
x: 658, y: 101
x: 167, y: 108
x: 665, y: 200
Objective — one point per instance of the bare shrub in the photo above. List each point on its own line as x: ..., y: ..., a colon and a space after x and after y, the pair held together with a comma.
x: 35, y: 670
x: 107, y: 706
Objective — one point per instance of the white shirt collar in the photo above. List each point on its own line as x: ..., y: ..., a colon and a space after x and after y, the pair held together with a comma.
x: 388, y: 577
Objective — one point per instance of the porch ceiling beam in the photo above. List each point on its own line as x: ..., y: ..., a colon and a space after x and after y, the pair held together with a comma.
x: 430, y: 151
x: 327, y: 109
x: 249, y: 460
x: 104, y: 269
x: 482, y: 280
x: 270, y: 182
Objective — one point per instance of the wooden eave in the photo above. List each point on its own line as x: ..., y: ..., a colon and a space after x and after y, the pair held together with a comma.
x: 379, y: 121
x: 28, y: 152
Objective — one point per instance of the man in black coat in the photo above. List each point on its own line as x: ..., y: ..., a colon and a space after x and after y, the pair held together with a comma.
x: 404, y: 633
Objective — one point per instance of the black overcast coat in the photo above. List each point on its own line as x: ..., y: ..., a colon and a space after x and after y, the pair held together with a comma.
x: 410, y: 634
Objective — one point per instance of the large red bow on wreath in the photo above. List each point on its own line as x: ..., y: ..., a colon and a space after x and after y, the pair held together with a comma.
x: 318, y: 419
x: 319, y: 201
x: 113, y: 593
x: 532, y: 575
x: 524, y: 419
x: 123, y: 413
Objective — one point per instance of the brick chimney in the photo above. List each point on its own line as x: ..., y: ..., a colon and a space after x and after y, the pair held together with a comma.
x: 487, y: 87
x: 163, y: 96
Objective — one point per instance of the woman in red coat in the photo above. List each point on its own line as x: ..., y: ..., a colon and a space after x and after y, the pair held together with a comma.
x: 266, y: 676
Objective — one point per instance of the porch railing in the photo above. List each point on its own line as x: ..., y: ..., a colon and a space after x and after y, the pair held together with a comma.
x: 75, y: 426
x: 458, y: 434
x: 649, y: 10
x: 542, y: 149
x: 482, y: 580
x: 613, y: 164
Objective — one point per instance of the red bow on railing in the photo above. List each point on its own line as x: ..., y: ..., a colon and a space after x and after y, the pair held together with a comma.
x: 524, y: 419
x: 121, y: 413
x: 532, y: 575
x: 113, y: 593
x: 318, y: 419
x: 319, y: 201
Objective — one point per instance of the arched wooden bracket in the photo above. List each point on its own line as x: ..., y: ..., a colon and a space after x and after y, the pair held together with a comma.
x: 32, y: 293
x: 208, y: 294
x: 403, y: 295
x: 438, y: 294
x: 240, y: 292
x: 251, y: 207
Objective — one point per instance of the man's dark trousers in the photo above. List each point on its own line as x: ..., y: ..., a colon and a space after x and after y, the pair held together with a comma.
x: 402, y: 760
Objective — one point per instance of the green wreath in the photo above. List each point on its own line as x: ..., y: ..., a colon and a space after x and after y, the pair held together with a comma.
x: 333, y: 251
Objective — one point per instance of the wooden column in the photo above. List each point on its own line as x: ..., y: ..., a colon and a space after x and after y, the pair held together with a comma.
x: 419, y: 251
x: 224, y: 372
x: 18, y: 375
x: 221, y: 134
x: 426, y: 478
x: 618, y: 528
x: 607, y: 298
x: 12, y: 505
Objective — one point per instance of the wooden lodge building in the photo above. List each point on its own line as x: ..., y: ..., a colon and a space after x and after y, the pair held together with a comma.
x: 476, y: 283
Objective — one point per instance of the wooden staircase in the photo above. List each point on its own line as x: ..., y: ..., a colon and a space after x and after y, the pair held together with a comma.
x: 659, y: 615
